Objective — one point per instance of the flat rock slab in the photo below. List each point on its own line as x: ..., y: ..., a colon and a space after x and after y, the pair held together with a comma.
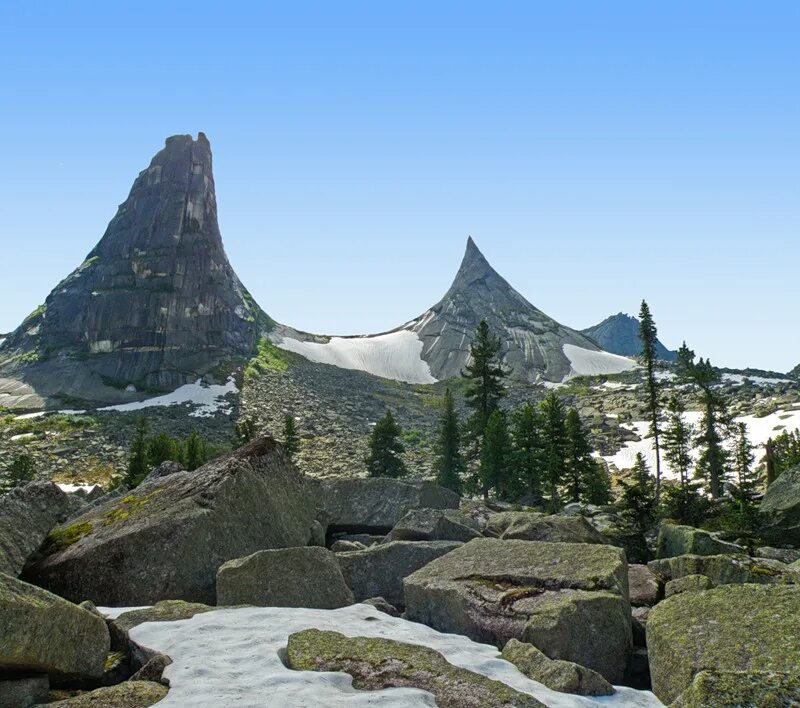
x: 723, y: 689
x: 725, y: 569
x: 569, y: 600
x: 730, y: 628
x: 379, y: 571
x: 290, y: 577
x: 433, y: 525
x: 128, y: 694
x: 677, y: 540
x: 532, y: 526
x: 40, y: 632
x: 383, y: 663
x: 168, y: 537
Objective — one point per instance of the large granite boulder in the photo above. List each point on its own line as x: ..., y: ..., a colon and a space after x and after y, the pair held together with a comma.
x: 433, y: 525
x: 24, y: 691
x: 376, y: 664
x: 376, y: 504
x: 676, y: 540
x: 27, y: 515
x: 40, y: 632
x: 725, y: 569
x: 569, y: 600
x: 644, y: 586
x: 379, y: 571
x: 753, y: 689
x: 290, y: 577
x: 563, y: 676
x: 531, y: 526
x: 784, y: 555
x: 688, y: 583
x: 780, y: 509
x: 167, y: 538
x: 730, y: 628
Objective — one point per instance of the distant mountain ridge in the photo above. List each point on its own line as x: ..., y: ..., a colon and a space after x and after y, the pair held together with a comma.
x: 619, y: 334
x: 436, y: 345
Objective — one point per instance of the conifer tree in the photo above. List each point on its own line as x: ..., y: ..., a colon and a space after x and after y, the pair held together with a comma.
x: 245, y: 431
x: 385, y: 449
x: 449, y: 464
x: 638, y: 508
x: 291, y: 443
x: 527, y: 450
x: 746, y: 479
x: 137, y: 458
x: 649, y: 338
x: 485, y: 387
x: 711, y: 466
x: 161, y: 448
x: 495, y: 456
x: 196, y: 452
x: 597, y: 484
x: 554, y: 446
x: 785, y: 451
x: 678, y: 435
x: 21, y: 471
x: 578, y: 463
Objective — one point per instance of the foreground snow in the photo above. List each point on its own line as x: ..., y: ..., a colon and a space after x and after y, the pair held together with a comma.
x: 397, y: 355
x: 759, y: 430
x: 71, y: 488
x: 208, y: 398
x: 585, y: 362
x: 232, y: 657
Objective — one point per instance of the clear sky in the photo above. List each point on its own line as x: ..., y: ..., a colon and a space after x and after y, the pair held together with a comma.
x: 597, y: 152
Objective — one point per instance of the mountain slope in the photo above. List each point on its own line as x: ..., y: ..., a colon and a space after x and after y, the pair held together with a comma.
x: 436, y: 345
x: 154, y: 305
x: 620, y: 334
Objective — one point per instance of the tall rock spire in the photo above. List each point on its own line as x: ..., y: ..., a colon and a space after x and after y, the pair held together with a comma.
x: 156, y: 302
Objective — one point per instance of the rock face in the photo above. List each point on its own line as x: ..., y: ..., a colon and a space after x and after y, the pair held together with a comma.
x: 27, y: 515
x: 40, y: 632
x: 619, y: 334
x: 675, y: 540
x: 129, y: 694
x: 377, y: 504
x: 781, y: 508
x: 433, y: 525
x: 569, y: 600
x: 291, y: 577
x: 167, y: 538
x: 155, y: 304
x: 563, y: 676
x: 724, y: 569
x: 688, y: 583
x: 784, y: 555
x: 383, y: 663
x: 22, y: 692
x: 532, y: 342
x: 528, y: 526
x: 644, y: 586
x: 379, y: 571
x: 730, y: 628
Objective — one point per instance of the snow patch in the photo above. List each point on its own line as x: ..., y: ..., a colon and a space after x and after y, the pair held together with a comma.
x: 209, y: 399
x: 397, y: 355
x: 70, y: 488
x: 232, y: 657
x: 756, y: 380
x: 585, y: 362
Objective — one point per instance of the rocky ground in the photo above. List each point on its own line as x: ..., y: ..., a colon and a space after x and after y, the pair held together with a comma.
x: 396, y: 584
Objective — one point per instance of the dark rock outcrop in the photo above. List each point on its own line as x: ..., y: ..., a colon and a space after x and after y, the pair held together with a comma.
x: 619, y: 334
x: 532, y: 526
x: 167, y: 538
x: 27, y: 515
x: 677, y: 540
x: 433, y: 525
x: 154, y: 305
x: 780, y: 509
x: 376, y: 504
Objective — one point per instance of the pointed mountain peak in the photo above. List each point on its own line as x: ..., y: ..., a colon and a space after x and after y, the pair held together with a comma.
x: 474, y: 267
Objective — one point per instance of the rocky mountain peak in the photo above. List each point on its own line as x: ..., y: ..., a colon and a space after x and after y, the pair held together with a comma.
x: 156, y: 302
x: 619, y: 334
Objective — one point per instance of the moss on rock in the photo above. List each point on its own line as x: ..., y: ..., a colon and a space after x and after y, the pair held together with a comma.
x: 129, y: 694
x: 730, y: 628
x: 744, y: 689
x: 384, y: 663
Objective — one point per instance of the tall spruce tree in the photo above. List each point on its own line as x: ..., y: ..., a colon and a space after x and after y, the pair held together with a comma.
x: 385, y: 449
x: 638, y: 508
x: 485, y: 383
x: 449, y: 464
x: 597, y: 484
x: 137, y: 458
x: 648, y: 334
x: 196, y: 451
x: 746, y: 479
x: 495, y: 457
x: 527, y: 451
x: 291, y: 442
x: 554, y: 446
x: 578, y: 463
x: 712, y: 464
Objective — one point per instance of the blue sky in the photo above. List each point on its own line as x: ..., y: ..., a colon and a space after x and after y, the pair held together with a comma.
x: 597, y: 152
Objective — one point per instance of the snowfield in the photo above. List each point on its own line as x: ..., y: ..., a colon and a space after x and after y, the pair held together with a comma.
x: 71, y: 488
x: 585, y: 362
x: 231, y: 657
x: 759, y: 430
x: 397, y: 355
x: 208, y: 398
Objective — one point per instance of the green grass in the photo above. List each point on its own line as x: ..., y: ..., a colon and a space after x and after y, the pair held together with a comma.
x: 268, y: 357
